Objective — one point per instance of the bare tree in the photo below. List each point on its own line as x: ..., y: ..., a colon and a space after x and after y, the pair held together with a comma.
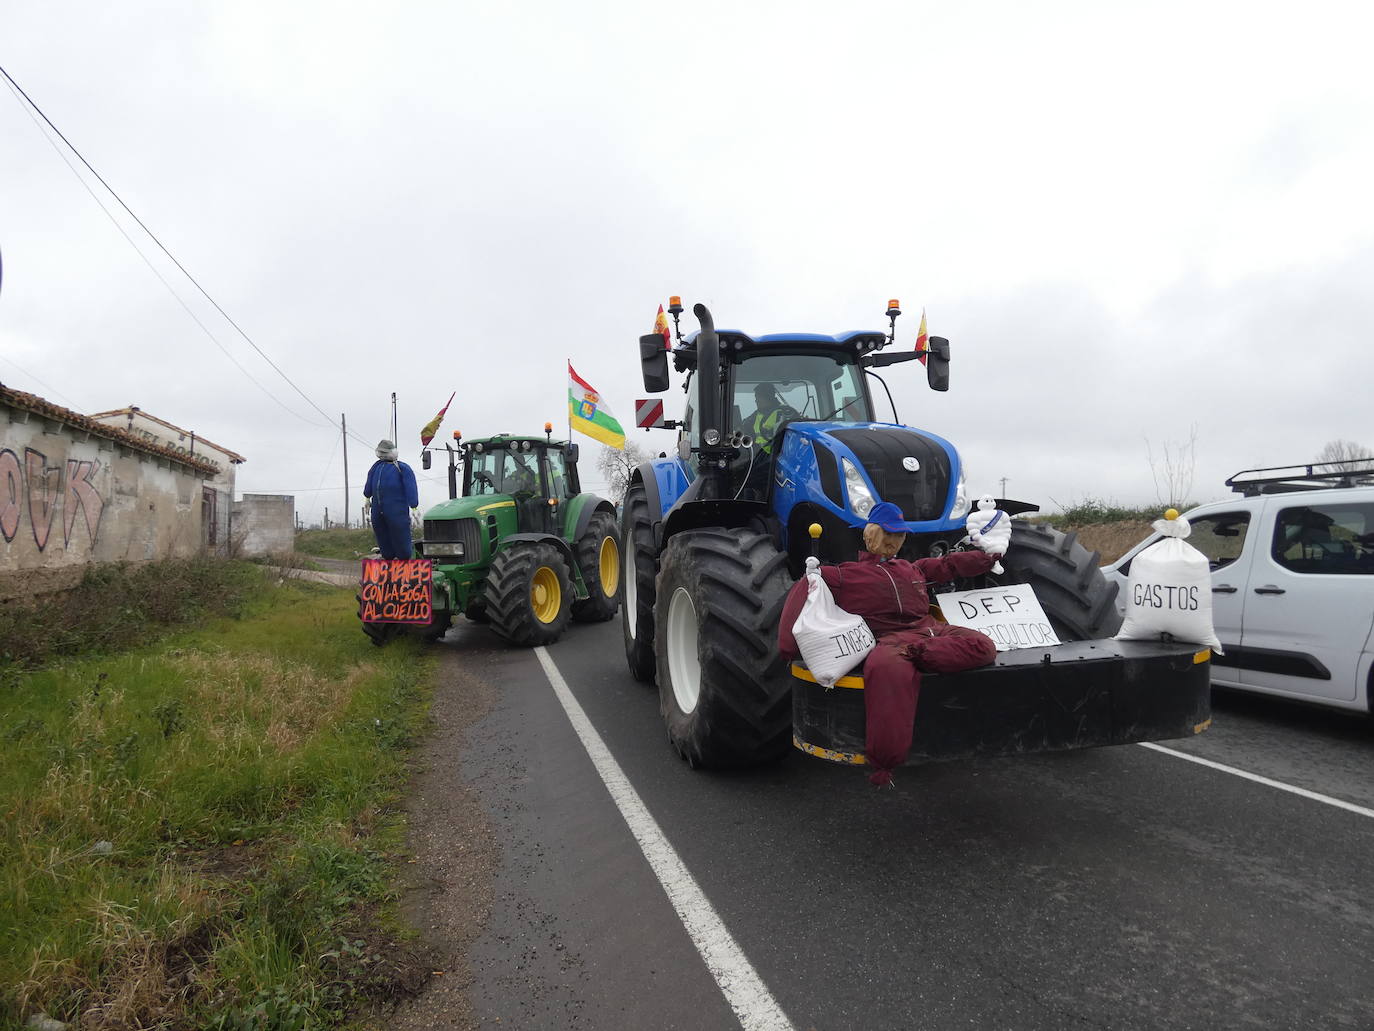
x: 1173, y: 473
x: 1346, y: 451
x: 616, y: 467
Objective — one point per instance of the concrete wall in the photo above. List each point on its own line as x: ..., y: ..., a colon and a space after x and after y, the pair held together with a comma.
x: 70, y: 496
x: 265, y: 524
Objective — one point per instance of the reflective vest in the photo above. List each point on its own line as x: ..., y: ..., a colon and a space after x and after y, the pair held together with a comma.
x: 764, y: 428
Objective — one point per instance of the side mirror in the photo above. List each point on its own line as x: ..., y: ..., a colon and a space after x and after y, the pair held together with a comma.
x: 425, y: 459
x: 570, y: 453
x: 937, y: 364
x: 653, y: 361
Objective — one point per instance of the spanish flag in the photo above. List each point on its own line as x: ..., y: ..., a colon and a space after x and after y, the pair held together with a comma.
x: 661, y: 327
x: 588, y: 414
x: 922, y: 338
x: 432, y: 427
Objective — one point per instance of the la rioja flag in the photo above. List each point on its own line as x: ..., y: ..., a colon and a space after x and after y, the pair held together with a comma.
x: 587, y: 412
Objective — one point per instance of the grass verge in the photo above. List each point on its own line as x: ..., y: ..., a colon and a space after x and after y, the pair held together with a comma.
x: 337, y: 543
x: 196, y: 831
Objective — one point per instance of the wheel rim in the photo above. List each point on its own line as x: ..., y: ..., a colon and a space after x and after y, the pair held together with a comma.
x: 610, y: 566
x: 684, y: 665
x: 631, y: 612
x: 545, y: 596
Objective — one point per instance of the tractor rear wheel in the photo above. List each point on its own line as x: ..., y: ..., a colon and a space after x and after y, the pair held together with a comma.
x: 529, y: 594
x: 1079, y: 601
x: 638, y: 572
x: 598, y: 557
x: 724, y: 691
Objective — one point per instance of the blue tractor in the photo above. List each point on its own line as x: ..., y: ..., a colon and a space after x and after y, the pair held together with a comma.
x: 780, y: 433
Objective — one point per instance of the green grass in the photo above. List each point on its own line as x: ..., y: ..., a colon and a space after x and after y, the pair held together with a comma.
x: 196, y: 831
x: 337, y: 543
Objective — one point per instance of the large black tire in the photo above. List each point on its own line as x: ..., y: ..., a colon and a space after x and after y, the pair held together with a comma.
x: 1079, y: 601
x: 638, y: 573
x: 477, y: 611
x: 724, y: 690
x: 529, y: 594
x: 598, y: 557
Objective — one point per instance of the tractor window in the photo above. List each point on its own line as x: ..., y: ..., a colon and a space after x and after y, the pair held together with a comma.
x: 556, y: 472
x: 803, y: 386
x: 499, y: 470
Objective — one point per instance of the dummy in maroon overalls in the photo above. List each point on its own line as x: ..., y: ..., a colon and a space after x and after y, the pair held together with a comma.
x: 890, y: 594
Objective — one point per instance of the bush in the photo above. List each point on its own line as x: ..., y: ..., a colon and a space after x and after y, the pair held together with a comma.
x: 120, y: 605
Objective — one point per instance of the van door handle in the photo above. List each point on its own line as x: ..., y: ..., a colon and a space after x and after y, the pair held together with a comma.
x: 1223, y: 589
x: 1269, y: 589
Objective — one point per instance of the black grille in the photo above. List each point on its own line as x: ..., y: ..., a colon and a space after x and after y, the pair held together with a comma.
x: 466, y: 531
x: 920, y: 495
x: 829, y: 470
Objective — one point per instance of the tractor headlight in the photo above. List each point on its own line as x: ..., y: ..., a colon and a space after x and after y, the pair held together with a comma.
x: 961, y: 499
x: 712, y: 437
x: 449, y: 548
x: 861, y: 500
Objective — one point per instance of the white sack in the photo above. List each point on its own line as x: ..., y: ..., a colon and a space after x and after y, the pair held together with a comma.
x: 1170, y: 591
x: 831, y: 640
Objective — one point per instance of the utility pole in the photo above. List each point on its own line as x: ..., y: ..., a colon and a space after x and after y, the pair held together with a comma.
x: 1004, y: 486
x: 343, y: 425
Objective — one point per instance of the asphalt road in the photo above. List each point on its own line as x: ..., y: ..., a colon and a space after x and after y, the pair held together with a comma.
x: 1112, y: 888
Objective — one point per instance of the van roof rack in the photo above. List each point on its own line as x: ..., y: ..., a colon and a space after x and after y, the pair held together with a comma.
x: 1283, y: 479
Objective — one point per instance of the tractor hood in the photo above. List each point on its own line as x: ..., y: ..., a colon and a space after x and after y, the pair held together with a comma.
x: 469, y: 508
x: 918, y: 472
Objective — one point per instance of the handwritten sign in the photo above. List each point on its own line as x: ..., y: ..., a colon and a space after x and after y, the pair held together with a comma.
x: 397, y: 590
x: 1010, y: 615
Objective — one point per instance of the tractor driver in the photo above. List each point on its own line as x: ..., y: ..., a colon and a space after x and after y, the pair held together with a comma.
x: 771, y: 412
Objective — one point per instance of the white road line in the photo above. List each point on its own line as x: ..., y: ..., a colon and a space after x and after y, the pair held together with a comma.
x: 1327, y: 799
x: 744, y: 990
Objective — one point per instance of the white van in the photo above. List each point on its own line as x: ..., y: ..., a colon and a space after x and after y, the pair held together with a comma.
x: 1292, y: 582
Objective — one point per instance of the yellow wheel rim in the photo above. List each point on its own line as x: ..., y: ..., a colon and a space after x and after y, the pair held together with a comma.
x: 546, y: 597
x: 610, y: 567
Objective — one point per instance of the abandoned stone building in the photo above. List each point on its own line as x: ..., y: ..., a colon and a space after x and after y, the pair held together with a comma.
x: 75, y: 489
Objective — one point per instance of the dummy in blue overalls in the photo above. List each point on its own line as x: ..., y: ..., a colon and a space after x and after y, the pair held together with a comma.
x: 391, y: 488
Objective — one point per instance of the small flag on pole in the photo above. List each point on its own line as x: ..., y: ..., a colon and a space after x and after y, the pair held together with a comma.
x: 432, y: 427
x: 661, y: 326
x: 922, y: 338
x: 587, y: 412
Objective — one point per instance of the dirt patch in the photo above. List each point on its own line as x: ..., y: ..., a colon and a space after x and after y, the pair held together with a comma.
x: 448, y: 880
x: 1113, y: 539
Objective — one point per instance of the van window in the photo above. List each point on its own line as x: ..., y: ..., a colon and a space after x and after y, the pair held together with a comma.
x: 1221, y: 537
x: 1322, y: 539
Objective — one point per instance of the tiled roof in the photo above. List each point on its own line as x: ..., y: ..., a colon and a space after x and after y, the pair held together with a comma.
x: 33, y: 403
x: 233, y: 457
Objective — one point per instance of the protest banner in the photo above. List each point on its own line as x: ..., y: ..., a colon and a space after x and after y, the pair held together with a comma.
x: 397, y: 590
x: 1010, y: 615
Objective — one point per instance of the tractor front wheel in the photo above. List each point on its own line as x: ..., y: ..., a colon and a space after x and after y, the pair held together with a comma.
x: 637, y: 576
x: 724, y: 691
x: 598, y: 557
x: 529, y: 594
x: 1079, y: 601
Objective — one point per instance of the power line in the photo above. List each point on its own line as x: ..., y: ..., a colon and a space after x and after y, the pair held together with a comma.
x: 153, y: 268
x: 204, y: 293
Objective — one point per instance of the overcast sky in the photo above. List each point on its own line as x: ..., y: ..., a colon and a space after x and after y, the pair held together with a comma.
x: 1129, y: 221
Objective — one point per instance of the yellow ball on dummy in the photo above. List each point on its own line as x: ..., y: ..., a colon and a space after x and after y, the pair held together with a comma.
x: 1171, y: 514
x: 814, y: 530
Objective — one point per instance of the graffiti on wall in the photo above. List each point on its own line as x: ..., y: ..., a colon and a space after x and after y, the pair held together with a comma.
x: 41, y: 490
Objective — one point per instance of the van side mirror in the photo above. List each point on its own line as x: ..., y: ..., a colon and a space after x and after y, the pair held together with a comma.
x: 425, y: 459
x: 653, y: 361
x: 937, y: 363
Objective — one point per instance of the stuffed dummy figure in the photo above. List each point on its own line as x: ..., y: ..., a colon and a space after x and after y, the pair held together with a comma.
x: 890, y: 594
x: 391, y: 489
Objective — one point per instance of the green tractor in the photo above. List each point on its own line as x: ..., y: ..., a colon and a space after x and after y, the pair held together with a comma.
x: 520, y: 547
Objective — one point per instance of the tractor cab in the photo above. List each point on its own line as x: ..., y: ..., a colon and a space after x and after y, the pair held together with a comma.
x: 536, y: 476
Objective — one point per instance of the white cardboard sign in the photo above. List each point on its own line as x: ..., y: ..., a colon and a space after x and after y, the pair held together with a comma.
x: 1010, y: 615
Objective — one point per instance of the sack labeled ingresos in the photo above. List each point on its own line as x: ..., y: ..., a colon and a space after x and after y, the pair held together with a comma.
x: 831, y: 640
